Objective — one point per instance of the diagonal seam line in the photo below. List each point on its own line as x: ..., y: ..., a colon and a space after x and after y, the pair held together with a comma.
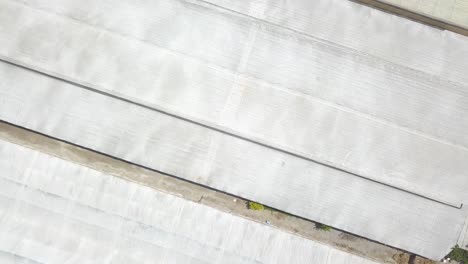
x: 319, y: 41
x: 451, y: 204
x: 413, y: 15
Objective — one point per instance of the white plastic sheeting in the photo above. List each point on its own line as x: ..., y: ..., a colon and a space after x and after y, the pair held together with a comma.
x: 54, y: 211
x: 331, y: 81
x: 367, y: 115
x: 227, y: 163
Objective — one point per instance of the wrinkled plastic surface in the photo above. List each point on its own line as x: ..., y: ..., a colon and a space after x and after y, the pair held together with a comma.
x: 228, y: 163
x: 268, y: 96
x: 347, y: 103
x: 54, y: 211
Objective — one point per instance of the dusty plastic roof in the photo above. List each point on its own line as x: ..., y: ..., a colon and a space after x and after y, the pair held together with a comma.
x: 55, y: 211
x: 325, y: 109
x: 189, y: 191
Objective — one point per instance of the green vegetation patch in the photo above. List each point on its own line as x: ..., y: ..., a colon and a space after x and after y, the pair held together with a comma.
x: 255, y: 206
x: 459, y: 254
x: 323, y: 227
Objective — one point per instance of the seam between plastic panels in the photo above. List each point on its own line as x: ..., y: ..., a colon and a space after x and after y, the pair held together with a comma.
x: 232, y: 134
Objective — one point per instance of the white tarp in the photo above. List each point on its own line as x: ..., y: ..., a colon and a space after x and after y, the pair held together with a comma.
x: 54, y: 211
x: 329, y: 81
x: 228, y: 163
x: 342, y: 107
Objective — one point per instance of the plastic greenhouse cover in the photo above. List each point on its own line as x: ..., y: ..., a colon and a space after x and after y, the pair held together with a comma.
x: 326, y: 109
x: 54, y: 211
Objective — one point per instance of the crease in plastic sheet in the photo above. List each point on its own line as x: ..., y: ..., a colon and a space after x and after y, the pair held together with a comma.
x: 54, y: 211
x: 227, y: 163
x: 340, y: 102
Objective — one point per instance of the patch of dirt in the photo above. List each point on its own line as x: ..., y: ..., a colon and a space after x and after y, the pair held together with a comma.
x: 402, y: 258
x: 278, y: 216
x: 420, y: 260
x: 349, y: 237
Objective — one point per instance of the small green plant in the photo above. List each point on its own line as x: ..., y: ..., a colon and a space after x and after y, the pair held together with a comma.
x: 323, y: 227
x: 255, y: 206
x: 459, y: 254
